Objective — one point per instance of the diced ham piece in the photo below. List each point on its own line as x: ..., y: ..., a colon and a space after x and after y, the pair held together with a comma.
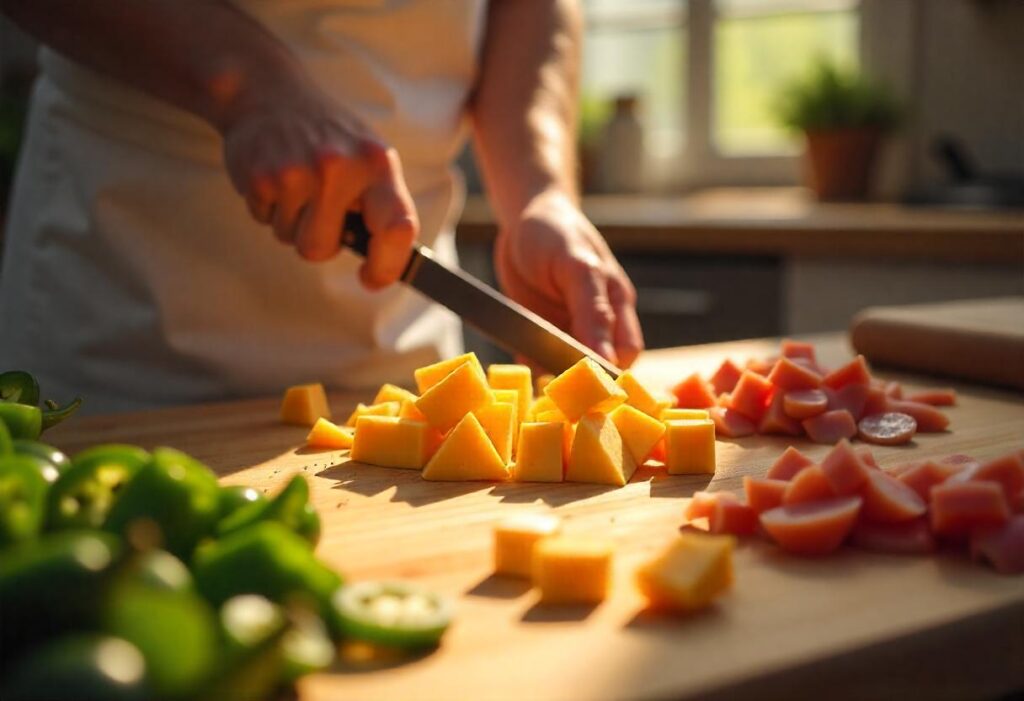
x: 730, y: 423
x: 852, y: 398
x: 893, y: 389
x: 764, y: 493
x: 814, y: 528
x: 798, y: 349
x: 1003, y: 547
x: 844, y: 469
x: 694, y: 393
x: 830, y: 427
x: 907, y: 538
x: 804, y: 403
x: 761, y: 366
x: 809, y: 485
x: 928, y: 418
x: 1007, y: 470
x: 922, y: 476
x: 875, y: 402
x: 865, y: 454
x: 776, y: 421
x: 890, y: 428
x: 732, y: 516
x: 854, y: 372
x: 959, y: 507
x: 724, y: 400
x: 703, y: 503
x: 725, y: 377
x: 788, y: 376
x: 935, y: 397
x: 788, y: 464
x: 888, y: 500
x: 752, y: 395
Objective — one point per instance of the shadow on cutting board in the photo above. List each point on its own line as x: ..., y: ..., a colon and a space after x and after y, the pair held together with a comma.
x: 496, y: 586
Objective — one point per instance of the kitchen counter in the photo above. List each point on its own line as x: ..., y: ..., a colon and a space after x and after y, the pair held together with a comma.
x: 785, y: 222
x: 856, y: 625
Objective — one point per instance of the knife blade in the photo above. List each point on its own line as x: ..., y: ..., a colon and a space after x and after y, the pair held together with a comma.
x: 509, y: 324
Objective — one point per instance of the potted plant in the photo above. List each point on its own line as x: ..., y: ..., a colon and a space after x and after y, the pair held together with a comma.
x: 844, y: 117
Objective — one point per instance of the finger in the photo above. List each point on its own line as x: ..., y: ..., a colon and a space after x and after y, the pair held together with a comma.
x: 296, y: 187
x: 585, y: 287
x: 260, y: 197
x: 341, y: 180
x: 627, y: 336
x: 391, y: 218
x: 520, y: 290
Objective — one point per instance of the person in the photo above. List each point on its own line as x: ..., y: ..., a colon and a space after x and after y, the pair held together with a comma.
x: 136, y: 276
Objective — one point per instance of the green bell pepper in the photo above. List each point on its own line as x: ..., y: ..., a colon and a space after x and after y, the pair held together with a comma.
x: 23, y: 421
x: 22, y: 499
x: 80, y: 667
x: 58, y: 461
x: 250, y: 667
x: 84, y: 494
x: 235, y: 497
x: 53, y: 584
x: 290, y: 508
x: 174, y: 492
x: 393, y: 614
x: 6, y: 444
x: 19, y: 387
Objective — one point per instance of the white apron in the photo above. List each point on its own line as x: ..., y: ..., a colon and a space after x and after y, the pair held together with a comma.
x: 133, y: 274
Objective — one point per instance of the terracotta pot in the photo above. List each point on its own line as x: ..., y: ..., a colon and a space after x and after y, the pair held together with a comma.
x: 839, y: 162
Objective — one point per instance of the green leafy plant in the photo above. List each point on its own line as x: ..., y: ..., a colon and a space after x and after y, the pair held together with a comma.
x: 832, y: 97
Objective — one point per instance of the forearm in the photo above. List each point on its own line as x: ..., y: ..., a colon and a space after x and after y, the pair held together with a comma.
x: 203, y: 56
x: 524, y: 106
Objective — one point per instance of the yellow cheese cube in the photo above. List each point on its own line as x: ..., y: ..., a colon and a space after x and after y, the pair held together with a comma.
x: 325, y: 434
x: 543, y: 381
x: 393, y: 393
x: 389, y: 441
x: 663, y: 404
x: 466, y: 454
x: 540, y: 405
x: 671, y: 414
x: 549, y: 415
x: 514, y: 541
x: 408, y: 410
x: 462, y: 391
x: 304, y: 404
x: 639, y: 431
x: 690, y: 573
x: 382, y: 409
x: 690, y: 447
x: 583, y: 388
x: 599, y: 454
x: 540, y: 455
x: 506, y: 396
x: 515, y: 377
x: 427, y: 377
x: 499, y: 423
x: 638, y: 396
x: 571, y: 570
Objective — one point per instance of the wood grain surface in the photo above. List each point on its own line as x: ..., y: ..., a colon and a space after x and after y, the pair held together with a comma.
x: 856, y: 625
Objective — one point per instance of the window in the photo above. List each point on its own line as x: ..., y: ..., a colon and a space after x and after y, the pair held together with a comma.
x: 706, y: 73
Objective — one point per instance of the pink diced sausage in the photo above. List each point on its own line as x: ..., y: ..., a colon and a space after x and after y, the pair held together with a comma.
x: 814, y: 528
x: 752, y: 395
x: 761, y: 366
x: 929, y: 419
x: 798, y: 349
x: 854, y: 372
x: 867, y: 456
x: 694, y: 393
x: 893, y: 389
x: 1003, y: 547
x: 809, y: 485
x: 959, y: 507
x: 890, y: 428
x: 844, y: 469
x: 831, y: 426
x: 731, y: 516
x: 764, y: 493
x: 935, y: 397
x: 788, y: 376
x: 922, y: 476
x: 907, y: 538
x: 804, y: 403
x: 1007, y: 470
x: 730, y: 423
x: 888, y: 500
x: 852, y: 398
x: 702, y: 504
x: 776, y: 421
x: 788, y: 464
x: 725, y: 377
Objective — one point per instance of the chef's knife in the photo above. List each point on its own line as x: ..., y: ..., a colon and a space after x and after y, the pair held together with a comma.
x: 512, y: 326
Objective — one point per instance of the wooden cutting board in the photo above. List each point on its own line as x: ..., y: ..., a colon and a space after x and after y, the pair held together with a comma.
x: 857, y: 625
x: 980, y: 340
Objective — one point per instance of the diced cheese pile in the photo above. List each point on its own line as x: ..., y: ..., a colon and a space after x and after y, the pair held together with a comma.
x: 466, y: 424
x: 811, y: 509
x: 794, y: 395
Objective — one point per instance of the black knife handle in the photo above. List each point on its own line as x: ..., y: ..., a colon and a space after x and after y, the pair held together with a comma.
x: 354, y: 233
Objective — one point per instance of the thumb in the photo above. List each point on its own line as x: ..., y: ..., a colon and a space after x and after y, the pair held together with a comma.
x: 584, y: 286
x: 391, y: 218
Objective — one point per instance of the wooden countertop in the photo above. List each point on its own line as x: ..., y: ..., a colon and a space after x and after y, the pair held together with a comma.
x: 857, y: 625
x: 785, y: 222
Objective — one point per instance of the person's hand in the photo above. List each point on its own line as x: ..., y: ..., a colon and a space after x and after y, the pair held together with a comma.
x: 301, y: 163
x: 553, y: 261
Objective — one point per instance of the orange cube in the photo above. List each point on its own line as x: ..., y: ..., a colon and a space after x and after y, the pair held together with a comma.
x: 389, y: 441
x: 515, y: 539
x: 325, y: 434
x: 540, y: 453
x: 462, y: 391
x: 304, y: 404
x: 572, y: 570
x: 690, y: 447
x: 584, y: 388
x: 513, y: 377
x: 430, y: 375
x: 691, y: 573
